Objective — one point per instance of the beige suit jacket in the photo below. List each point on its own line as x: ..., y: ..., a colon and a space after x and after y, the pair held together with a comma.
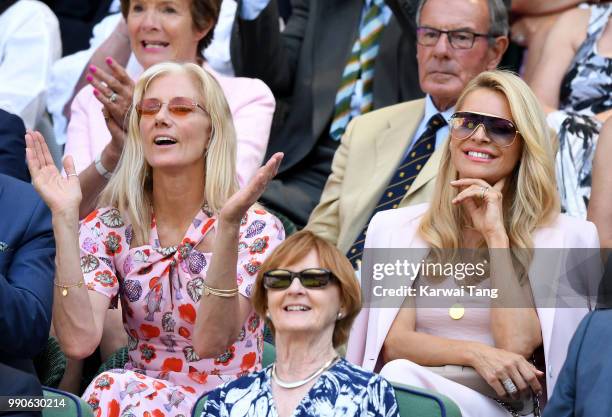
x: 370, y: 152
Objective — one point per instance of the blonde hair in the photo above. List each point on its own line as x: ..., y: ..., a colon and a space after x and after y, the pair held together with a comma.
x: 531, y: 199
x: 130, y: 188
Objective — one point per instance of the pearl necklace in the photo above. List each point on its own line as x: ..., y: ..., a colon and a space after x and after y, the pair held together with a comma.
x: 291, y: 385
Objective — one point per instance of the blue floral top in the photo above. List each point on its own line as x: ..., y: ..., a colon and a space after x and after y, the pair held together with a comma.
x: 344, y: 390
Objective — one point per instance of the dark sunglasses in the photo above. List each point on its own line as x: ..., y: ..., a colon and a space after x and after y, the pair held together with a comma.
x: 280, y: 279
x: 501, y: 131
x: 178, y: 106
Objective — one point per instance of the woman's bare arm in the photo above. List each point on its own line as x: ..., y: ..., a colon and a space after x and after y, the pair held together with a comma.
x: 560, y: 47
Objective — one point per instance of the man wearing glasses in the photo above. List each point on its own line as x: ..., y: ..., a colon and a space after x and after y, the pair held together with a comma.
x: 389, y: 158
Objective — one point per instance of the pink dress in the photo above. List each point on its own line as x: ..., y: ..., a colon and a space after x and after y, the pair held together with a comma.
x: 250, y: 100
x: 160, y: 289
x: 475, y: 325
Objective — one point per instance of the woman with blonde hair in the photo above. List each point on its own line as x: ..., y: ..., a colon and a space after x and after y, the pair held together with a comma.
x: 173, y: 240
x: 495, y: 192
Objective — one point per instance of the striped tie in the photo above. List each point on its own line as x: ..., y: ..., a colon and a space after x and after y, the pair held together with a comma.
x: 359, y: 65
x: 401, y: 181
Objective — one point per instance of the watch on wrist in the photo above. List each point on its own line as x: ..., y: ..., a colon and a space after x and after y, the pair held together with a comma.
x: 100, y: 168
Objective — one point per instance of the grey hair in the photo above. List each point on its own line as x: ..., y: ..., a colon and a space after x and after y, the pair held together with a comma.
x: 498, y: 17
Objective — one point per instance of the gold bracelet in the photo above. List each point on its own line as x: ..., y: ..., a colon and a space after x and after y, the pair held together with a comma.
x: 219, y: 292
x: 66, y: 287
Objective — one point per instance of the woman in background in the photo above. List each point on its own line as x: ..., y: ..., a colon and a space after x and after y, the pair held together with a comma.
x: 573, y: 82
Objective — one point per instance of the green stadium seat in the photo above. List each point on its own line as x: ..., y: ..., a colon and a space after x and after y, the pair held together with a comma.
x: 50, y: 364
x: 72, y: 406
x: 413, y: 401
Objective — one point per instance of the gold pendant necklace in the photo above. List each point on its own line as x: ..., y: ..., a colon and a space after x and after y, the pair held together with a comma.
x: 456, y: 311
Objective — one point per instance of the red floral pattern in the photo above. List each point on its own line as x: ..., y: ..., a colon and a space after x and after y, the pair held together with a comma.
x: 104, y: 382
x: 226, y: 357
x: 113, y: 244
x: 147, y: 352
x: 105, y: 278
x: 162, y: 357
x: 259, y: 245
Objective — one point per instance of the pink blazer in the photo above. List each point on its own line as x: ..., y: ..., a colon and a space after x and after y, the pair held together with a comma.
x: 250, y: 100
x: 398, y: 229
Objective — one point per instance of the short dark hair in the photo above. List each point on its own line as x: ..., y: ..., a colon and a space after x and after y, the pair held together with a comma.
x: 203, y: 14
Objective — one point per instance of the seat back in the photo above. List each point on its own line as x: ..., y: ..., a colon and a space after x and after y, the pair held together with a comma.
x: 68, y: 405
x: 420, y: 402
x: 269, y: 354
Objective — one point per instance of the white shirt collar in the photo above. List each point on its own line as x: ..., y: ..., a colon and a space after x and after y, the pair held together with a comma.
x: 431, y: 110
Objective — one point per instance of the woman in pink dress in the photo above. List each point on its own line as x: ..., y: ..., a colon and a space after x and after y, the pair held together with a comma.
x: 173, y: 241
x: 157, y: 31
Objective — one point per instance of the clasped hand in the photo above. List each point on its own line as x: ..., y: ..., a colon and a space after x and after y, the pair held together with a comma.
x: 484, y: 205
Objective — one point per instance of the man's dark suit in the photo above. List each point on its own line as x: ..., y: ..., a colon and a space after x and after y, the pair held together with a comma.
x: 304, y: 64
x: 27, y: 251
x: 583, y: 386
x: 12, y: 147
x: 77, y: 19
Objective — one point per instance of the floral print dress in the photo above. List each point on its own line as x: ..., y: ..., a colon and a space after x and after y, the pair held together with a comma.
x: 585, y: 91
x: 160, y: 289
x: 344, y: 390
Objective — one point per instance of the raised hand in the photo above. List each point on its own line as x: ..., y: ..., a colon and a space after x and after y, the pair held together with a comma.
x: 484, y: 205
x: 61, y: 194
x: 234, y: 209
x: 114, y: 90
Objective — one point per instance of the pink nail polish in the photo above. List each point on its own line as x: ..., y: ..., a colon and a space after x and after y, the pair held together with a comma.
x: 96, y: 92
x: 109, y: 60
x: 89, y: 78
x: 92, y: 68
